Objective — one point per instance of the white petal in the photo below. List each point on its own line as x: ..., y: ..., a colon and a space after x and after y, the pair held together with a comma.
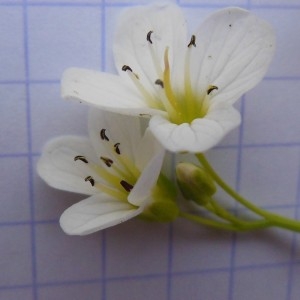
x: 147, y: 149
x: 121, y: 129
x: 143, y: 188
x: 132, y: 48
x: 103, y: 90
x: 234, y: 50
x: 200, y: 135
x: 58, y: 168
x: 96, y: 213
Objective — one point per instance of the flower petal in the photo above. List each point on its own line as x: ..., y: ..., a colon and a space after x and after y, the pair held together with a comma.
x: 143, y: 188
x: 200, y: 135
x: 146, y: 59
x: 233, y: 52
x: 58, y: 168
x: 103, y: 90
x: 121, y: 130
x: 96, y: 213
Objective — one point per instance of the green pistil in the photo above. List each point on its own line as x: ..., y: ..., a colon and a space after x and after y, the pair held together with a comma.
x: 186, y: 107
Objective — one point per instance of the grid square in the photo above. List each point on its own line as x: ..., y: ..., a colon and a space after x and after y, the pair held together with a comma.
x: 150, y: 289
x: 269, y: 175
x: 51, y: 116
x: 267, y: 108
x: 275, y: 2
x: 12, y: 63
x: 15, y: 256
x: 214, y: 2
x: 200, y: 286
x: 13, y: 294
x: 13, y: 123
x: 76, y: 43
x: 132, y: 249
x: 268, y: 283
x: 270, y: 246
x: 63, y: 2
x: 68, y: 292
x: 285, y: 23
x: 132, y: 2
x: 196, y: 248
x: 295, y: 292
x: 63, y: 258
x: 15, y: 206
x: 49, y: 202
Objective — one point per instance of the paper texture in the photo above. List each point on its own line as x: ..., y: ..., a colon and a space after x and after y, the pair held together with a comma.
x: 38, y: 40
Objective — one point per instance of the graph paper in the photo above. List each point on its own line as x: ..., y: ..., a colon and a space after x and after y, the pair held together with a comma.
x: 38, y: 40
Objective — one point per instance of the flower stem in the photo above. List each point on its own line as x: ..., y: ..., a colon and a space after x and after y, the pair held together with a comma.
x: 277, y: 220
x: 224, y: 226
x: 223, y: 213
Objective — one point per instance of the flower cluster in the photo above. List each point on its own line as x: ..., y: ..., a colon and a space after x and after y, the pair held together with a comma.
x: 186, y: 85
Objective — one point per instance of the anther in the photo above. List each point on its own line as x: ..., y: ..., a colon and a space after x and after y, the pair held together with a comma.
x: 159, y: 82
x: 192, y: 41
x: 107, y: 161
x: 211, y: 88
x: 103, y: 135
x: 149, y: 36
x: 80, y: 157
x: 127, y: 186
x: 126, y: 68
x: 90, y: 179
x: 117, y: 148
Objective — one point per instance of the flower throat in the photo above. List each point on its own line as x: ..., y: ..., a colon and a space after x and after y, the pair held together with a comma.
x: 181, y: 107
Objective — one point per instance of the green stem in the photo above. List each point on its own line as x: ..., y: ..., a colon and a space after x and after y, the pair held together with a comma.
x: 273, y: 218
x: 223, y: 213
x: 222, y: 225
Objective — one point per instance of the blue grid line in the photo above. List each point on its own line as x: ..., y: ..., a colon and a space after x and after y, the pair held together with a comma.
x: 57, y: 81
x: 54, y: 221
x: 186, y: 5
x: 30, y: 162
x: 237, y: 186
x: 262, y: 266
x: 170, y: 241
x: 103, y: 67
x: 220, y: 147
x: 294, y: 244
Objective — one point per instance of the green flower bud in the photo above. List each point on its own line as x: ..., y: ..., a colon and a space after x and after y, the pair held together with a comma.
x: 164, y: 207
x: 195, y: 183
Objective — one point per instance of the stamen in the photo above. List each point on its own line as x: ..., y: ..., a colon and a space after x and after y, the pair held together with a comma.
x: 211, y: 88
x: 192, y: 41
x: 126, y: 68
x: 159, y: 82
x: 81, y: 157
x: 90, y: 179
x: 149, y: 36
x: 117, y: 149
x: 152, y: 102
x: 103, y: 135
x: 127, y: 186
x: 107, y: 161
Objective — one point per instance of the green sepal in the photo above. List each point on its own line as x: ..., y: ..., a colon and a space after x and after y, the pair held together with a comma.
x: 163, y: 208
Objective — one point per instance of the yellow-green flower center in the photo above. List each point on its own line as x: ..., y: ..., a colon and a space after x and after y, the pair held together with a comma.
x: 181, y: 106
x: 115, y: 175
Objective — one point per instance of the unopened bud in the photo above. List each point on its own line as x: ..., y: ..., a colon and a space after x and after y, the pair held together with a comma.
x: 195, y: 183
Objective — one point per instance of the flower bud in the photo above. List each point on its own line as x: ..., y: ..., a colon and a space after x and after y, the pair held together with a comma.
x: 195, y: 183
x: 163, y: 208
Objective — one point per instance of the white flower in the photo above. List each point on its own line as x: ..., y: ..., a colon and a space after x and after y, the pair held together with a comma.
x: 117, y: 167
x: 186, y: 83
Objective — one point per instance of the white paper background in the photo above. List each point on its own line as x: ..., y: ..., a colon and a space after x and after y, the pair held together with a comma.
x: 38, y: 40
